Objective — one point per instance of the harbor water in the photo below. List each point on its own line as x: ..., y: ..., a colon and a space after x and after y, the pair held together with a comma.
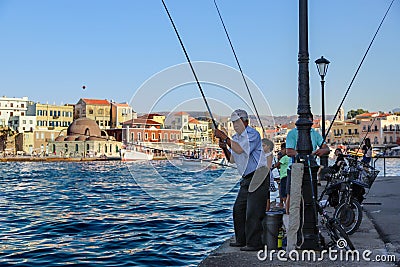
x: 115, y: 214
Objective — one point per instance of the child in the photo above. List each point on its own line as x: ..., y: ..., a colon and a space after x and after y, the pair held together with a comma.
x: 283, y: 165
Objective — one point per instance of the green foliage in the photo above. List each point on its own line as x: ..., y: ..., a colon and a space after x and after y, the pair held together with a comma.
x: 352, y: 113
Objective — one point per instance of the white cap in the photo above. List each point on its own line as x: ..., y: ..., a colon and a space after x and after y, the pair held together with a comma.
x: 239, y: 113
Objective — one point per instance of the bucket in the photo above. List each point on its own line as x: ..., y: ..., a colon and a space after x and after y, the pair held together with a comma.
x: 271, y: 223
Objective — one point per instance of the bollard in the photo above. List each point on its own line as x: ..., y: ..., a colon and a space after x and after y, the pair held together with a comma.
x: 271, y: 223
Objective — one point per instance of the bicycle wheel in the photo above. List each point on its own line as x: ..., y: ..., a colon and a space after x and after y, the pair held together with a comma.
x: 339, y: 236
x: 349, y: 216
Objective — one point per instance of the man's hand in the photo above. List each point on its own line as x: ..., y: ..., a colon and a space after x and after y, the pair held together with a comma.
x: 324, y: 150
x: 220, y: 134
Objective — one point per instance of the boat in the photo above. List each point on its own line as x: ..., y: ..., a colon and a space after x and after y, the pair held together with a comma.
x: 136, y: 153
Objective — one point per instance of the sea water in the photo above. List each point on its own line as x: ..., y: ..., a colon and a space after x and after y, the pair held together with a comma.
x: 116, y: 214
x: 103, y: 213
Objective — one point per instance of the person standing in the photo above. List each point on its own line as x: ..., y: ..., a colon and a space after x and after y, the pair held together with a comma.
x: 283, y: 165
x: 367, y: 151
x: 246, y: 151
x: 319, y: 148
x: 268, y: 145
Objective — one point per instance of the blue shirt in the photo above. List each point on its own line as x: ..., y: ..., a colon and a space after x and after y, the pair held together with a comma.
x: 292, y: 136
x: 253, y: 156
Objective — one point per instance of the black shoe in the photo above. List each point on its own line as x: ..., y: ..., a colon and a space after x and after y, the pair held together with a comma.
x: 236, y: 244
x: 249, y: 248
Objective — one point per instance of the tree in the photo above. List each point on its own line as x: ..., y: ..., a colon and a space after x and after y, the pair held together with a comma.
x: 353, y: 113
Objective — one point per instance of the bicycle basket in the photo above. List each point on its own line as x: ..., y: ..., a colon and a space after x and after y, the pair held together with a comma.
x: 366, y: 175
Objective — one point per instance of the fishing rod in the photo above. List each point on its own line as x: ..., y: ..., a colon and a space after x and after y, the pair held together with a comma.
x: 240, y: 68
x: 354, y: 77
x: 190, y: 64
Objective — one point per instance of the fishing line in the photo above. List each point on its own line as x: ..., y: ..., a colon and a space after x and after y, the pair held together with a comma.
x: 240, y: 68
x: 190, y: 64
x: 354, y: 77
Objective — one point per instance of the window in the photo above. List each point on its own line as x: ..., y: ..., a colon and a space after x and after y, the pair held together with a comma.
x: 146, y: 136
x: 76, y: 147
x: 100, y: 111
x: 12, y: 105
x: 139, y: 136
x: 22, y: 105
x: 91, y: 111
x: 51, y: 113
x: 30, y: 121
x: 105, y: 148
x: 23, y: 113
x: 153, y: 136
x: 23, y: 121
x: 42, y: 136
x: 166, y: 137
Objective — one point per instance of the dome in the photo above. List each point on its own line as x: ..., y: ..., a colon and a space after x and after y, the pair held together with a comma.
x: 70, y: 138
x: 84, y: 126
x: 60, y: 138
x: 81, y: 138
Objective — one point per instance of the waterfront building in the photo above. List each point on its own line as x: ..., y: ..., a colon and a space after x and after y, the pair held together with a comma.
x: 155, y: 117
x: 84, y: 138
x: 344, y: 132
x: 22, y: 123
x: 383, y: 128
x: 12, y: 106
x: 51, y: 117
x: 35, y: 142
x: 120, y: 113
x: 95, y: 109
x: 146, y: 130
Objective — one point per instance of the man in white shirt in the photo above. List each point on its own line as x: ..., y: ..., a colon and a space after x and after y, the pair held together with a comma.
x: 245, y: 149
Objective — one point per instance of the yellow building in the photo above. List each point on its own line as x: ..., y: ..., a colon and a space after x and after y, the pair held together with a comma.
x: 98, y: 110
x: 51, y: 117
x: 344, y: 132
x: 120, y: 113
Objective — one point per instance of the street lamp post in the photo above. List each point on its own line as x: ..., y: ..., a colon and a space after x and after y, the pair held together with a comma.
x: 309, y: 230
x: 322, y: 66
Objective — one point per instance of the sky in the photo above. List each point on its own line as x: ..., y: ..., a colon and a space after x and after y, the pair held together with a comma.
x: 49, y: 49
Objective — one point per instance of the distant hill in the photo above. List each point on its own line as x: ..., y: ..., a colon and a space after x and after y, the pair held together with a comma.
x: 267, y: 121
x: 396, y: 110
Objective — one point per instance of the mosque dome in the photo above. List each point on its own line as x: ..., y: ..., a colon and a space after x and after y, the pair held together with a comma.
x: 84, y: 126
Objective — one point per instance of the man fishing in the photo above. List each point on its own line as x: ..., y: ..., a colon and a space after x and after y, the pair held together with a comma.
x: 245, y: 149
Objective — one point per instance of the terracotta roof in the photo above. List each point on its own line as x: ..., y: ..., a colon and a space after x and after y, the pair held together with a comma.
x: 181, y: 113
x: 149, y: 116
x: 96, y: 101
x: 193, y: 120
x: 142, y: 121
x: 121, y: 104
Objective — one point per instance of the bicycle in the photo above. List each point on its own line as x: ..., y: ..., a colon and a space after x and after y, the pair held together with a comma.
x: 336, y: 232
x: 348, y: 210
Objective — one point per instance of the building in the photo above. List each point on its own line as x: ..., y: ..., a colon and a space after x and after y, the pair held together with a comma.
x: 83, y: 139
x: 22, y: 123
x: 146, y: 130
x: 11, y: 106
x: 51, y: 117
x: 36, y: 142
x: 344, y: 132
x: 155, y: 117
x: 120, y: 113
x: 98, y: 110
x: 381, y: 128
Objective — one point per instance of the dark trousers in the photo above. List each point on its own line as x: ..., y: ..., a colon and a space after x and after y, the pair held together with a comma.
x: 249, y: 211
